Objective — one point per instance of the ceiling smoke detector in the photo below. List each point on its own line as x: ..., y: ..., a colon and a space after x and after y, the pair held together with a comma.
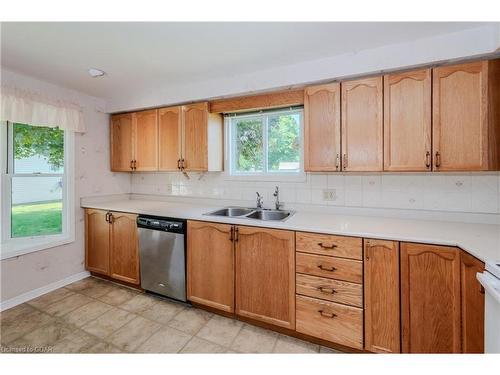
x: 96, y: 73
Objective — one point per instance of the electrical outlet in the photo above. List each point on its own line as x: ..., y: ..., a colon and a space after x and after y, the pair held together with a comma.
x: 329, y: 194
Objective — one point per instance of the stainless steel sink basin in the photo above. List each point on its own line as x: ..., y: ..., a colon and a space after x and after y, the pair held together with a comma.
x: 232, y: 212
x: 269, y: 215
x: 252, y: 213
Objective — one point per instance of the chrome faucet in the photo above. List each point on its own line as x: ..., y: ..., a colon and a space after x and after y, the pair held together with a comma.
x: 260, y: 200
x: 276, y: 195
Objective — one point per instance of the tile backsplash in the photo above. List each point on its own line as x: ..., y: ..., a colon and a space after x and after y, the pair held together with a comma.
x: 466, y: 192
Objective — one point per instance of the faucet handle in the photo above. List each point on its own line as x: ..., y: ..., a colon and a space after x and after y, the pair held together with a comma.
x: 260, y: 200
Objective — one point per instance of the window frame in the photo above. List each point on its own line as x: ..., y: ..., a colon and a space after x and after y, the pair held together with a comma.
x: 230, y: 148
x: 15, y: 246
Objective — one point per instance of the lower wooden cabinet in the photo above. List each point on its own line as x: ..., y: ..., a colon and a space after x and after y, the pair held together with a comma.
x: 96, y: 241
x: 210, y: 265
x: 382, y: 302
x: 472, y: 304
x: 265, y: 275
x: 124, y: 254
x: 430, y: 299
x: 111, y: 245
x: 330, y: 321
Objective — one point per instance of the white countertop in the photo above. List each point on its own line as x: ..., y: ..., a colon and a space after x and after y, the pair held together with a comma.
x: 480, y: 240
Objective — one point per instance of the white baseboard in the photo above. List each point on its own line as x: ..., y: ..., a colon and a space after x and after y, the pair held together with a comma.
x: 42, y: 290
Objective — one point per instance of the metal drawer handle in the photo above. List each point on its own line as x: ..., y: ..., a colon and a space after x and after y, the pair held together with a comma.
x: 332, y: 246
x: 327, y: 290
x: 327, y: 315
x: 331, y: 269
x: 427, y: 159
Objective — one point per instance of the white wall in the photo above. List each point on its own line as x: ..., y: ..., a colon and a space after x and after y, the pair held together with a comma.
x: 92, y: 177
x: 466, y: 43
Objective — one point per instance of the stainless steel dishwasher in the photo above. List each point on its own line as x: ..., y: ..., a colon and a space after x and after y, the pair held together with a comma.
x: 162, y: 254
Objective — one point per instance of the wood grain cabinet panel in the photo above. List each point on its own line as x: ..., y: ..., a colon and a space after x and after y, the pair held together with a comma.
x: 322, y: 128
x: 430, y: 299
x: 330, y: 245
x: 362, y: 125
x: 195, y: 133
x: 265, y: 275
x: 121, y: 138
x: 382, y: 298
x: 408, y: 121
x: 124, y: 248
x: 146, y: 140
x: 210, y: 265
x: 466, y: 123
x: 96, y: 241
x: 330, y: 321
x: 169, y: 138
x: 472, y: 305
x: 330, y: 267
x: 330, y: 289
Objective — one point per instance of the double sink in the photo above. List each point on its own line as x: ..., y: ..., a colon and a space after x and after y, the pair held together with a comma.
x: 252, y: 213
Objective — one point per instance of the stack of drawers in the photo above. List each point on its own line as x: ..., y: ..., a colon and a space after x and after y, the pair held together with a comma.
x: 329, y: 288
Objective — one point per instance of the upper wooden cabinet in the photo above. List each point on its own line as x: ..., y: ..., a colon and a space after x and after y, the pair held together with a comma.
x: 170, y: 140
x: 146, y: 140
x: 472, y: 305
x: 407, y: 121
x: 322, y: 128
x: 210, y: 265
x: 430, y: 299
x: 265, y: 275
x: 134, y: 141
x: 182, y: 138
x: 382, y: 301
x: 466, y: 121
x: 362, y: 125
x: 121, y: 137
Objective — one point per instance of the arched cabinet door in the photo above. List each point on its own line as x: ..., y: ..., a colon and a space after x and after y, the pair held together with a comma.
x: 169, y: 138
x: 265, y: 275
x: 121, y: 138
x: 210, y: 265
x: 460, y: 117
x: 195, y: 136
x: 362, y: 125
x: 146, y: 140
x: 322, y: 128
x: 97, y: 231
x: 430, y: 299
x: 408, y: 121
x: 124, y: 248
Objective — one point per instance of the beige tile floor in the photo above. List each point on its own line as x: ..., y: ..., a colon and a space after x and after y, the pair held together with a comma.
x: 97, y: 316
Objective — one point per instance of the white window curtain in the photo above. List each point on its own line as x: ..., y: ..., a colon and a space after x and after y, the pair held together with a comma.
x: 33, y: 109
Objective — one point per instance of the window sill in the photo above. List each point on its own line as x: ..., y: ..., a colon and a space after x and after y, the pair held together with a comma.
x: 16, y: 248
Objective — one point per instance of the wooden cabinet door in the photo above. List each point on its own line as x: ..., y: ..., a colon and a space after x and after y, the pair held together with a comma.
x: 472, y: 305
x: 96, y: 241
x: 169, y: 135
x: 460, y: 117
x: 121, y: 137
x: 124, y: 248
x: 210, y: 265
x: 265, y: 275
x: 362, y: 125
x: 407, y: 121
x: 430, y: 299
x: 146, y: 140
x: 195, y: 136
x: 322, y: 128
x: 382, y: 303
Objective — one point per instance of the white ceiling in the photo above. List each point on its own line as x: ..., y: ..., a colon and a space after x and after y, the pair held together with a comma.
x: 138, y: 57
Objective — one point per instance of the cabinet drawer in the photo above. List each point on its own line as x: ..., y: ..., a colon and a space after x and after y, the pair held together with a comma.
x: 327, y: 244
x: 329, y: 289
x: 330, y: 267
x: 330, y: 321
